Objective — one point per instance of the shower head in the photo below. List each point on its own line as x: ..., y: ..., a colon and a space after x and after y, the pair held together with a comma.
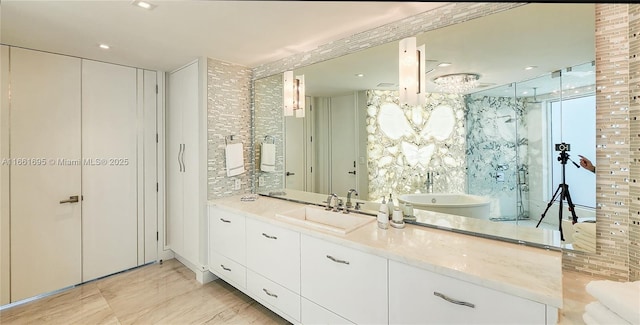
x: 508, y: 120
x: 535, y: 96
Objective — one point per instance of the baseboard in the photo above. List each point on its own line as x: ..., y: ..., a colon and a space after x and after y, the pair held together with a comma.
x: 202, y: 273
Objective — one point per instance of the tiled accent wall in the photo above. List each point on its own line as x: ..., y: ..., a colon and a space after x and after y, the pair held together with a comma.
x: 616, y: 184
x: 453, y: 13
x: 228, y: 113
x: 634, y: 111
x: 269, y: 121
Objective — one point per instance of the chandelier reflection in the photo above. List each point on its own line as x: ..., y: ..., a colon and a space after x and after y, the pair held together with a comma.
x: 457, y: 83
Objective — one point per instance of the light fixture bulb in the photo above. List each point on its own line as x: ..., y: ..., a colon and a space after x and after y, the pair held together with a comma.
x: 104, y: 46
x: 457, y: 83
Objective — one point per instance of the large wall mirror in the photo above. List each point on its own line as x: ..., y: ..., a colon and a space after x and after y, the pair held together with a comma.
x: 496, y: 141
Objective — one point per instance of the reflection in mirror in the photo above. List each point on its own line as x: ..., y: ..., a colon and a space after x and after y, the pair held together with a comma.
x: 511, y: 156
x: 492, y: 141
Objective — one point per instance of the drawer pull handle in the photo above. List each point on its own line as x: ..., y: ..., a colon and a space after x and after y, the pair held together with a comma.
x: 225, y: 220
x: 269, y: 293
x: 268, y: 236
x: 225, y: 268
x: 453, y: 301
x: 337, y: 260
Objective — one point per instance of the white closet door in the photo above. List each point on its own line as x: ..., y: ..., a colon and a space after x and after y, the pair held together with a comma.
x: 45, y: 124
x: 109, y: 177
x: 343, y: 147
x: 150, y: 169
x: 191, y: 133
x: 294, y: 158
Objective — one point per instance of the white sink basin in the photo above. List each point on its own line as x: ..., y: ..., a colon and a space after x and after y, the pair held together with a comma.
x: 316, y: 217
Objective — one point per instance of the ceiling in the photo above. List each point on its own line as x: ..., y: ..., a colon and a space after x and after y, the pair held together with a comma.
x: 549, y: 36
x: 248, y: 33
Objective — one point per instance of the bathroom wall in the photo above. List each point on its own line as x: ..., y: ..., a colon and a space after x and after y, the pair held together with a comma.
x: 268, y: 120
x: 492, y: 144
x: 405, y: 142
x: 228, y: 113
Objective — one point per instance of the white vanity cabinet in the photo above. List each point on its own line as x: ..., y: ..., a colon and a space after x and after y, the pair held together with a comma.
x: 348, y: 282
x: 418, y: 296
x: 227, y: 246
x: 273, y: 260
x: 274, y: 253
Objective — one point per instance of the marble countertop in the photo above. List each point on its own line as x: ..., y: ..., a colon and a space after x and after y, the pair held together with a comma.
x: 524, y: 271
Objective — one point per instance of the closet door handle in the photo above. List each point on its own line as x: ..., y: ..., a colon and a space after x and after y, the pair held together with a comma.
x: 179, y: 154
x: 184, y: 167
x: 72, y: 199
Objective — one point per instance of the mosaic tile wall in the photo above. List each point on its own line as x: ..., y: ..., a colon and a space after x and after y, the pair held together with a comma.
x: 453, y: 13
x: 269, y: 121
x: 491, y: 151
x: 228, y: 113
x: 398, y: 162
x: 615, y: 182
x: 634, y: 111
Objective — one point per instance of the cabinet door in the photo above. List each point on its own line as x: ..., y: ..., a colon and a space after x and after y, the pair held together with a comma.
x: 345, y: 281
x: 227, y: 234
x: 227, y: 269
x: 109, y: 172
x: 183, y: 196
x: 274, y: 295
x: 274, y: 253
x: 418, y: 296
x: 45, y: 123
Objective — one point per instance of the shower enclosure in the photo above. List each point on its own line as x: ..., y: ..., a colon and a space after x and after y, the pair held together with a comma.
x: 511, y: 130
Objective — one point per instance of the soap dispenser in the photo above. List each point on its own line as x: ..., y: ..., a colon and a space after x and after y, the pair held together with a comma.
x: 390, y: 205
x: 383, y: 215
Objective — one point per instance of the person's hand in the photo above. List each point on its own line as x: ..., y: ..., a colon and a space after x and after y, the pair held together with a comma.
x: 586, y: 164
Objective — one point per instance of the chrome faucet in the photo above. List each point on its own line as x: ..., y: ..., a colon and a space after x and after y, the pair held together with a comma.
x: 329, y: 199
x: 351, y: 191
x: 348, y: 205
x: 429, y: 182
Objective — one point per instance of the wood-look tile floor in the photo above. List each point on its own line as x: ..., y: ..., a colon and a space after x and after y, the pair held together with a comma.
x: 168, y: 293
x: 164, y: 293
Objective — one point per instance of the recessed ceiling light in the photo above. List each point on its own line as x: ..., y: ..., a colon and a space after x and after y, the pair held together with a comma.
x: 360, y: 75
x: 444, y: 64
x: 104, y: 46
x: 143, y: 4
x: 531, y: 67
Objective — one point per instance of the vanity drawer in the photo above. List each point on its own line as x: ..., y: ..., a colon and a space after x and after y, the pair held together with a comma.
x: 314, y: 314
x: 274, y: 253
x: 228, y: 270
x: 348, y: 282
x: 417, y: 296
x: 227, y: 234
x: 273, y: 294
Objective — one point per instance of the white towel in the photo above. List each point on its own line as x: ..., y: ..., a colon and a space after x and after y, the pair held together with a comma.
x: 622, y: 298
x: 268, y: 157
x: 235, y: 159
x: 603, y: 315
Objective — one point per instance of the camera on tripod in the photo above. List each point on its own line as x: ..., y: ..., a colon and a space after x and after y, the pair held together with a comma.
x: 563, y: 147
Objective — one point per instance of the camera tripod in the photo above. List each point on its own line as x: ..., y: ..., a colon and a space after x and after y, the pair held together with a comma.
x: 563, y: 190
